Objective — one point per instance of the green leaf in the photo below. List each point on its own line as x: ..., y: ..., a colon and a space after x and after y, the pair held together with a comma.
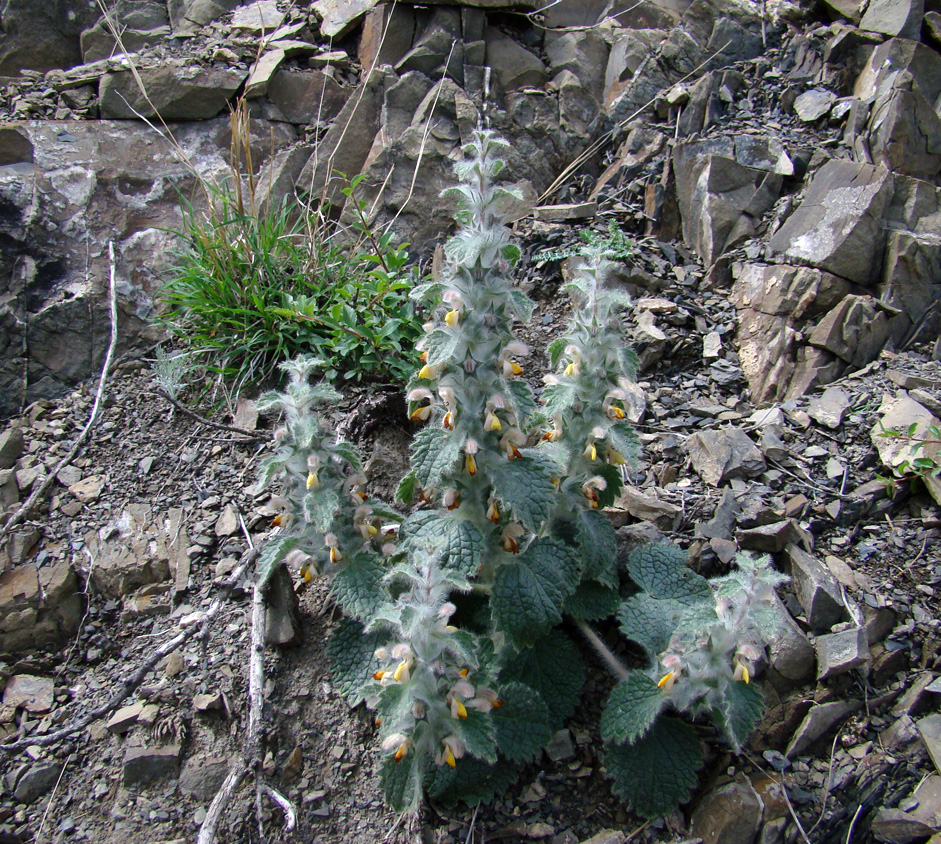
x: 520, y: 305
x: 320, y: 505
x: 632, y: 708
x: 592, y: 601
x: 434, y: 454
x: 553, y: 667
x: 522, y: 723
x: 741, y: 708
x: 402, y: 780
x: 662, y: 569
x: 472, y: 781
x: 394, y: 706
x: 650, y: 622
x: 462, y: 548
x: 554, y: 351
x: 526, y: 488
x: 657, y: 773
x: 352, y: 655
x: 272, y: 554
x: 558, y: 398
x: 440, y: 346
x: 359, y: 589
x: 348, y: 452
x: 623, y: 439
x: 478, y: 733
x: 522, y: 401
x: 529, y: 592
x: 598, y: 547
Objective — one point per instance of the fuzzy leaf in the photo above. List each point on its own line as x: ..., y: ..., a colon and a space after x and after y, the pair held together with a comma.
x: 592, y: 601
x: 434, y: 453
x: 526, y: 488
x: 478, y: 733
x: 662, y: 569
x: 628, y: 361
x: 657, y: 773
x: 393, y: 706
x: 742, y: 707
x: 521, y: 400
x: 632, y: 708
x: 529, y: 592
x: 553, y: 667
x: 406, y: 488
x: 462, y: 547
x: 520, y: 305
x: 623, y: 439
x: 358, y: 588
x: 649, y: 622
x: 402, y: 780
x: 440, y: 345
x: 320, y: 505
x: 554, y: 351
x: 522, y: 723
x: 348, y: 452
x: 352, y: 655
x: 558, y: 398
x: 424, y: 529
x: 597, y: 545
x: 272, y: 554
x: 472, y: 781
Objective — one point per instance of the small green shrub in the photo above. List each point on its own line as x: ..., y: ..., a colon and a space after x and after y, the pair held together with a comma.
x: 251, y: 290
x: 919, y: 463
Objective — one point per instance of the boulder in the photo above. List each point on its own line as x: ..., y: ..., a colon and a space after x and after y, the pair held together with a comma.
x: 188, y: 92
x: 720, y: 455
x: 337, y: 17
x: 855, y: 331
x: 791, y: 656
x: 386, y: 35
x: 818, y: 591
x: 307, y: 97
x: 900, y: 18
x: 728, y: 814
x: 513, y: 65
x: 187, y: 16
x: 130, y: 553
x: 38, y: 607
x: 42, y: 36
x: 838, y: 653
x: 838, y: 227
x: 720, y: 200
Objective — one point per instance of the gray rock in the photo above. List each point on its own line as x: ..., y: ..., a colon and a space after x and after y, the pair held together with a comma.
x: 648, y: 508
x: 583, y: 52
x: 899, y: 734
x: 773, y: 537
x: 718, y: 456
x: 820, y: 719
x: 262, y: 72
x: 898, y: 827
x: 855, y: 331
x: 838, y: 227
x: 729, y: 814
x: 720, y: 200
x: 561, y: 747
x: 38, y: 780
x: 187, y: 16
x: 202, y: 776
x: 42, y: 37
x: 900, y: 413
x: 339, y: 16
x: 911, y: 282
x: 513, y: 65
x: 228, y: 522
x: 98, y: 43
x: 38, y: 607
x: 852, y: 10
x: 930, y: 730
x: 900, y: 18
x: 284, y: 611
x: 259, y: 17
x: 829, y: 408
x: 840, y: 652
x: 817, y: 590
x: 176, y: 93
x: 125, y: 718
x: 34, y: 694
x: 814, y: 104
x: 143, y: 765
x: 387, y: 34
x: 134, y: 556
x: 11, y: 446
x: 792, y: 657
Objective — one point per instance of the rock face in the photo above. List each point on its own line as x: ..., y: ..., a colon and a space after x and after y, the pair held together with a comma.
x: 38, y: 607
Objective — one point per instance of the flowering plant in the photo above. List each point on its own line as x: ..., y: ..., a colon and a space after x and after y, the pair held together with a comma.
x: 453, y: 631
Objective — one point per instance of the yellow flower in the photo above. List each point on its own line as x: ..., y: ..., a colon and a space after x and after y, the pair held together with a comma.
x: 470, y: 464
x: 449, y: 757
x: 458, y: 710
x: 572, y: 369
x: 667, y: 680
x: 335, y: 555
x: 401, y: 673
x: 741, y: 673
x: 312, y: 480
x: 452, y: 317
x: 428, y: 372
x: 448, y: 422
x: 615, y: 412
x: 493, y: 513
x: 492, y: 423
x: 615, y: 458
x: 421, y: 414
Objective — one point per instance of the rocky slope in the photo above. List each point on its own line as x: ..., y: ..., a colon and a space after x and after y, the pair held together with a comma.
x: 777, y: 167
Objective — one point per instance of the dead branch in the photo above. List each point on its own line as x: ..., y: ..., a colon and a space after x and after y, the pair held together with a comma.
x: 250, y: 435
x: 138, y: 676
x: 255, y: 738
x: 33, y: 499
